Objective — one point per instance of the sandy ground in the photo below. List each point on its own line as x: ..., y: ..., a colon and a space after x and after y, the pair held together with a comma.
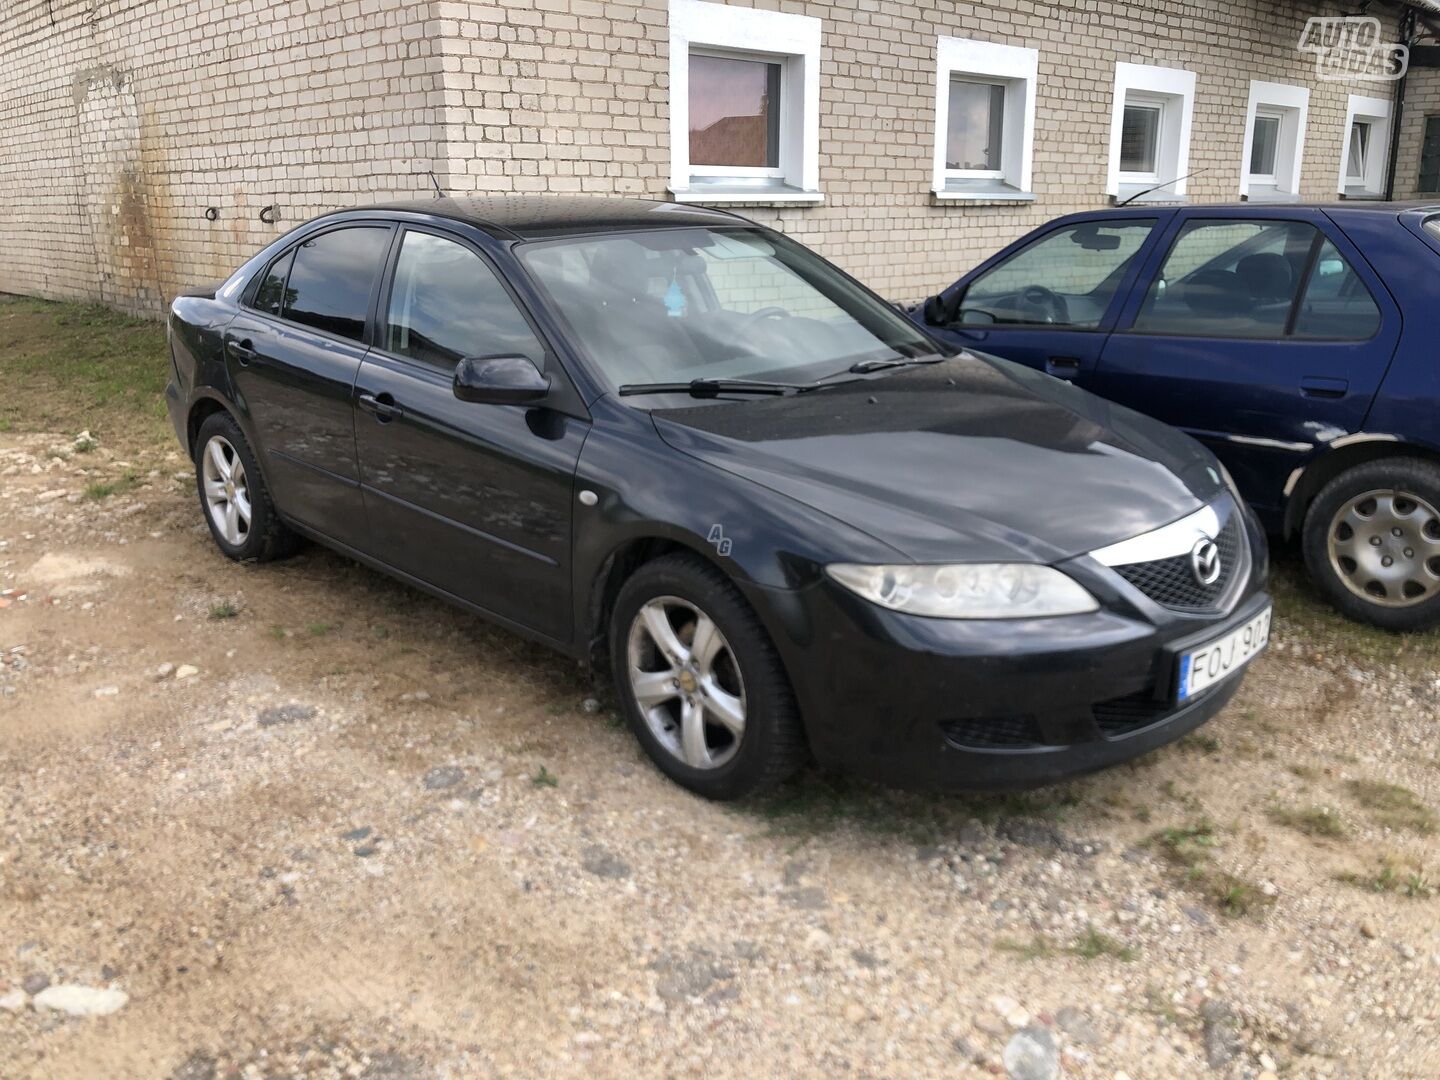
x: 371, y: 836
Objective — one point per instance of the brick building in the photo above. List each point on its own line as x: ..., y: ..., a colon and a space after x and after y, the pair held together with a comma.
x: 148, y: 146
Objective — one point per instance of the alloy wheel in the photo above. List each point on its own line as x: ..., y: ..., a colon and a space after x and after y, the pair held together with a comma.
x: 1385, y: 546
x: 227, y: 493
x: 687, y: 682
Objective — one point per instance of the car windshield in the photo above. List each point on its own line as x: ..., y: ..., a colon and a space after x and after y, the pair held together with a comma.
x: 675, y: 305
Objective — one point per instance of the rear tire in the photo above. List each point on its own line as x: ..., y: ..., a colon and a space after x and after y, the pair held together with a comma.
x: 718, y: 715
x: 234, y: 500
x: 1372, y: 543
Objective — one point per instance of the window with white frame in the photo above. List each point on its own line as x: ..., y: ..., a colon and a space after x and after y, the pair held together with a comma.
x: 744, y: 104
x: 984, y: 119
x: 1150, y: 132
x: 1365, y: 154
x: 1274, y: 142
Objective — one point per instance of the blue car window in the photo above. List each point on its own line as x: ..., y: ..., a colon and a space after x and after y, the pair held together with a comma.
x: 1229, y: 278
x: 1336, y: 305
x: 1066, y: 278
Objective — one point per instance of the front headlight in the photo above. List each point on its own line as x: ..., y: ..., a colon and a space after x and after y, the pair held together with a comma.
x: 967, y: 590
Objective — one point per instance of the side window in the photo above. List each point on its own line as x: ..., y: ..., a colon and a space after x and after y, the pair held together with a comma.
x: 1229, y: 278
x: 447, y: 304
x: 329, y: 285
x: 270, y: 296
x: 1336, y: 303
x: 1066, y: 278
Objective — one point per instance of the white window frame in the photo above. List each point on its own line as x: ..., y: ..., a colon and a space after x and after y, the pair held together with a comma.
x: 1269, y: 116
x: 793, y: 41
x: 1291, y: 105
x: 1375, y: 112
x: 1174, y: 90
x: 1157, y: 104
x: 1016, y: 69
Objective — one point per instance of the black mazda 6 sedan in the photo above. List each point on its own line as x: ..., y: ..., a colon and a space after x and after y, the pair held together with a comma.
x: 671, y: 441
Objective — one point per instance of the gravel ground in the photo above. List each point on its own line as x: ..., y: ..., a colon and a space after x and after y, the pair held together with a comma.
x: 297, y: 820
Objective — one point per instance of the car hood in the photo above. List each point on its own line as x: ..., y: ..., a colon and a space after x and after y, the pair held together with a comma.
x: 974, y: 459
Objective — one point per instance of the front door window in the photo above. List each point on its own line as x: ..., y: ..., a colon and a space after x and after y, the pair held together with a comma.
x: 1066, y: 278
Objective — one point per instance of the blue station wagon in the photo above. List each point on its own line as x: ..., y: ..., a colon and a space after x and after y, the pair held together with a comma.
x: 1300, y: 343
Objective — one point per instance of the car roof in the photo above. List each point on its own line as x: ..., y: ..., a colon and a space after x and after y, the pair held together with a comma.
x: 529, y: 216
x: 1339, y: 206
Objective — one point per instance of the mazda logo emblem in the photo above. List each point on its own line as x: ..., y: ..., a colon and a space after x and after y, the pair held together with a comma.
x: 1205, y: 561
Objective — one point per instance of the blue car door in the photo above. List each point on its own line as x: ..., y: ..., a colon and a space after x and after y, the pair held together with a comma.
x: 1049, y: 300
x: 1262, y: 333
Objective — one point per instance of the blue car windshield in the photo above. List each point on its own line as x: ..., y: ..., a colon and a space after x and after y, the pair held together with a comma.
x: 681, y: 304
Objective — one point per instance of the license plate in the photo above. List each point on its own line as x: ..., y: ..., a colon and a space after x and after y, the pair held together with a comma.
x: 1217, y: 660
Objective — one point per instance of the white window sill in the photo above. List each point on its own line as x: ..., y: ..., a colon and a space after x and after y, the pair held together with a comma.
x: 1269, y: 193
x: 747, y: 194
x: 1131, y: 194
x: 1355, y: 191
x: 981, y: 191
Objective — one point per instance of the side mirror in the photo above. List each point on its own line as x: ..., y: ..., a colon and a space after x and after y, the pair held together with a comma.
x: 937, y: 312
x: 500, y: 380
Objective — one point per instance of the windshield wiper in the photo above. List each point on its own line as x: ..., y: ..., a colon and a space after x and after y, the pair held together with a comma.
x: 709, y: 388
x: 864, y: 367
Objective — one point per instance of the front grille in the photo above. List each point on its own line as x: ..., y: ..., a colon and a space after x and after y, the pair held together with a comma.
x: 1171, y: 583
x: 1008, y: 732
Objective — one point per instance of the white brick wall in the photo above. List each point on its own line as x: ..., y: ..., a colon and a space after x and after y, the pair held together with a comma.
x: 120, y: 123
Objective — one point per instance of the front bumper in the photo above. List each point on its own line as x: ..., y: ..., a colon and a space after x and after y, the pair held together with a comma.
x: 987, y: 705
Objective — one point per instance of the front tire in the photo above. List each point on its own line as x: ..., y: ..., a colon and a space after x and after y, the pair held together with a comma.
x: 1372, y: 543
x: 700, y: 682
x: 233, y: 496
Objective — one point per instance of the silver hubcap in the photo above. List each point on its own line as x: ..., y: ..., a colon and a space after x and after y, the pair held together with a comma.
x: 687, y: 682
x: 1385, y: 545
x: 227, y: 494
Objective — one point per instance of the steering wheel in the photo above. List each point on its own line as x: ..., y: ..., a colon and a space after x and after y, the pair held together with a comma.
x: 755, y: 317
x: 1047, y: 302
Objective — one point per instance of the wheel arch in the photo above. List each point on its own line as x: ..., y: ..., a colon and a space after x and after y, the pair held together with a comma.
x: 1308, y: 480
x: 614, y: 570
x: 201, y: 409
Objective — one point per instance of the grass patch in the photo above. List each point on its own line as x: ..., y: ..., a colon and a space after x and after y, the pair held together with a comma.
x: 1302, y: 616
x: 73, y: 367
x: 1200, y: 743
x: 224, y: 610
x: 1038, y: 947
x: 545, y: 778
x: 1392, y: 876
x: 1318, y: 821
x: 320, y: 629
x: 1094, y: 944
x: 103, y: 489
x: 1392, y: 806
x: 1189, y: 851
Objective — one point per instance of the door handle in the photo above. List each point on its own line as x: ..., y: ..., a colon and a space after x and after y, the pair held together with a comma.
x: 382, y: 405
x: 1063, y: 367
x: 242, y: 351
x: 1314, y: 386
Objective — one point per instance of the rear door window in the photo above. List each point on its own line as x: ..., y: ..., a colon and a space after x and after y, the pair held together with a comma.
x: 332, y: 277
x: 1227, y: 278
x: 1067, y: 278
x: 270, y: 296
x: 1336, y: 304
x: 1261, y: 279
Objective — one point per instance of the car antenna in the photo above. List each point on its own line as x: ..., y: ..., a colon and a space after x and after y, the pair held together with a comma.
x: 438, y: 193
x: 1157, y: 187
